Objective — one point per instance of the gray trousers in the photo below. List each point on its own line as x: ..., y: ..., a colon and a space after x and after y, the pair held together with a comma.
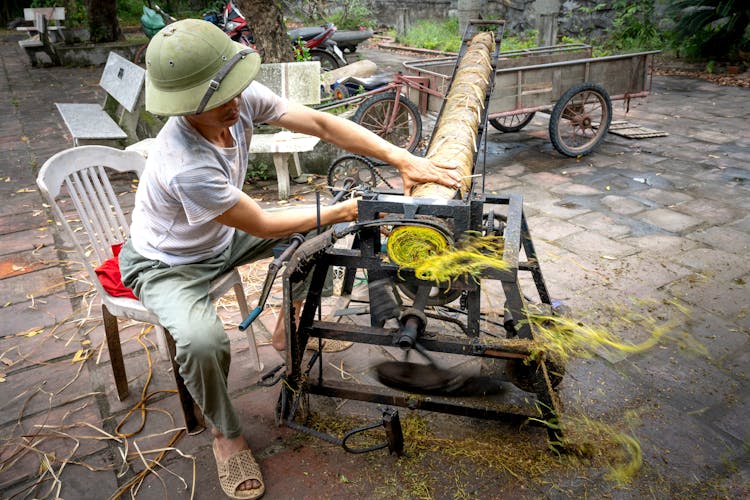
x: 178, y: 295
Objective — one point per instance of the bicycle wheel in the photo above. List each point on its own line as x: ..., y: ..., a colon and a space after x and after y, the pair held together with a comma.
x: 512, y: 123
x: 404, y: 128
x: 580, y: 119
x: 357, y: 167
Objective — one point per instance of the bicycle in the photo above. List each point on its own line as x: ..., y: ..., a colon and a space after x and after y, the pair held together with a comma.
x: 386, y: 110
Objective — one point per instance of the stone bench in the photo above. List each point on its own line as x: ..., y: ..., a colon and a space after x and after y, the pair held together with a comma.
x: 42, y: 36
x: 282, y: 146
x: 94, y: 124
x: 299, y: 82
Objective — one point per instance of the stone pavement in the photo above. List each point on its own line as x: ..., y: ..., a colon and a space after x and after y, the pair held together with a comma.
x: 637, y: 236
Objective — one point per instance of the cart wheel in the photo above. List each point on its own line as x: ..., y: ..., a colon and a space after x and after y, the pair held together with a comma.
x: 580, y: 119
x: 359, y: 168
x: 512, y: 123
x: 340, y: 92
x: 376, y: 113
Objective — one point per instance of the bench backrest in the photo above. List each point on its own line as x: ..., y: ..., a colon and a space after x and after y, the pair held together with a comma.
x: 123, y: 81
x: 51, y: 13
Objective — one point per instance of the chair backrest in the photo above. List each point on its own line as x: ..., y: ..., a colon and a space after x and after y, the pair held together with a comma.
x: 79, y: 176
x: 123, y: 80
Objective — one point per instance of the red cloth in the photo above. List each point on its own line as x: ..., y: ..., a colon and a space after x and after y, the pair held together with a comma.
x: 110, y: 278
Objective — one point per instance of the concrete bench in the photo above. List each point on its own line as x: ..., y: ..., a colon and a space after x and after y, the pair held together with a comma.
x: 55, y: 17
x: 283, y: 146
x: 298, y: 82
x: 42, y: 36
x: 92, y: 123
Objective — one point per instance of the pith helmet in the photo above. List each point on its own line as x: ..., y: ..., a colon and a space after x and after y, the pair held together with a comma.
x: 192, y: 66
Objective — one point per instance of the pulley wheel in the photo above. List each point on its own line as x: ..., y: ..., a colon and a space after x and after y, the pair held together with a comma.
x: 416, y: 377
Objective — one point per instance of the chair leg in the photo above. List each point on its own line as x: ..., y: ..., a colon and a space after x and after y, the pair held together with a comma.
x: 193, y: 418
x: 239, y: 293
x: 112, y: 332
x: 162, y: 343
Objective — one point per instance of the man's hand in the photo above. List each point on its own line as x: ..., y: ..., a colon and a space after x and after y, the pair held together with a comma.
x: 417, y: 170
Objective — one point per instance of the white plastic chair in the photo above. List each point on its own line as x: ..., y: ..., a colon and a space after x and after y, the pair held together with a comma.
x: 79, y: 174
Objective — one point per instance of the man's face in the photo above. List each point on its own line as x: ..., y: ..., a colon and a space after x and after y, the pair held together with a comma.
x: 224, y: 116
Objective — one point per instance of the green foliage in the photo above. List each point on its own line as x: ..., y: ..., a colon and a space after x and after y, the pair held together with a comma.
x: 433, y: 34
x: 351, y: 15
x: 345, y: 14
x: 301, y: 52
x: 634, y: 27
x: 257, y: 171
x: 443, y: 35
x: 711, y: 28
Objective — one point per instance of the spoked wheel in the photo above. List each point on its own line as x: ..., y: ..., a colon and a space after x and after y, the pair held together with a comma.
x: 512, y: 123
x: 580, y: 119
x: 327, y: 61
x: 357, y: 167
x: 402, y: 128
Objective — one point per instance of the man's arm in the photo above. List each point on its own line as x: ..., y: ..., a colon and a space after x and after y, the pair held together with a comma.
x: 247, y: 216
x: 358, y: 140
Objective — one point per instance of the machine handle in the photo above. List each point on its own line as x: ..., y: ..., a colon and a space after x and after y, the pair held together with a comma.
x: 295, y: 241
x: 250, y: 318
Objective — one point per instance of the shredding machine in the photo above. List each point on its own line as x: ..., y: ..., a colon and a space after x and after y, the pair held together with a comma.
x: 459, y: 348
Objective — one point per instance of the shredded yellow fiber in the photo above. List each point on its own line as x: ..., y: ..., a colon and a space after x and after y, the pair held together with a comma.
x: 427, y: 252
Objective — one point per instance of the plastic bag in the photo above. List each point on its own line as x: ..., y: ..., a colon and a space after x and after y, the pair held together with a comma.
x: 151, y: 21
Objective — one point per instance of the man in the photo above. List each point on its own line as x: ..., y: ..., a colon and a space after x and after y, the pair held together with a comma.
x: 190, y: 203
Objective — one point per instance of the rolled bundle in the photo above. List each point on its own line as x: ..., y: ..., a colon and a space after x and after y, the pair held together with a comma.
x: 455, y: 134
x: 453, y: 142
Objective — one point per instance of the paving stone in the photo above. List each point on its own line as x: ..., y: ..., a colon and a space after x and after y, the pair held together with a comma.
x: 661, y: 244
x: 606, y: 226
x: 669, y: 220
x: 723, y: 238
x: 593, y: 244
x: 714, y: 264
x: 623, y: 205
x: 742, y: 224
x: 550, y: 229
x: 665, y: 198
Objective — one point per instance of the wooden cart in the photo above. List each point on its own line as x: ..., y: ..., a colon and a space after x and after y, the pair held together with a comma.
x: 575, y: 88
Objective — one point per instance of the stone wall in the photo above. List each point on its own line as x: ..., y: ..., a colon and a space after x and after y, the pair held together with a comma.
x: 580, y: 18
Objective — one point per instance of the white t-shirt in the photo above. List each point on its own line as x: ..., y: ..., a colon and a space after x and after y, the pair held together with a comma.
x: 189, y: 181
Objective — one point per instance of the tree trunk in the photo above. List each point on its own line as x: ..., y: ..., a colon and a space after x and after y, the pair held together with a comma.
x: 103, y: 23
x: 268, y: 28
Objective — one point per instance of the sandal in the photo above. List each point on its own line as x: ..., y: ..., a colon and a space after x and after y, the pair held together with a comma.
x: 237, y: 469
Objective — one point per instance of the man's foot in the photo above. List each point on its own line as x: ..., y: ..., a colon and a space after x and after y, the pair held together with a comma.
x: 225, y: 448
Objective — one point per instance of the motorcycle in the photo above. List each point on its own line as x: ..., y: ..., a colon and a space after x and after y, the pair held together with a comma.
x: 232, y: 22
x: 317, y: 42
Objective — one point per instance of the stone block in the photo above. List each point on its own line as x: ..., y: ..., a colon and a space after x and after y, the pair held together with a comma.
x: 296, y: 81
x: 594, y: 244
x: 714, y: 264
x: 623, y: 205
x: 723, y: 238
x: 669, y: 220
x: 664, y: 197
x: 551, y: 229
x: 607, y: 226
